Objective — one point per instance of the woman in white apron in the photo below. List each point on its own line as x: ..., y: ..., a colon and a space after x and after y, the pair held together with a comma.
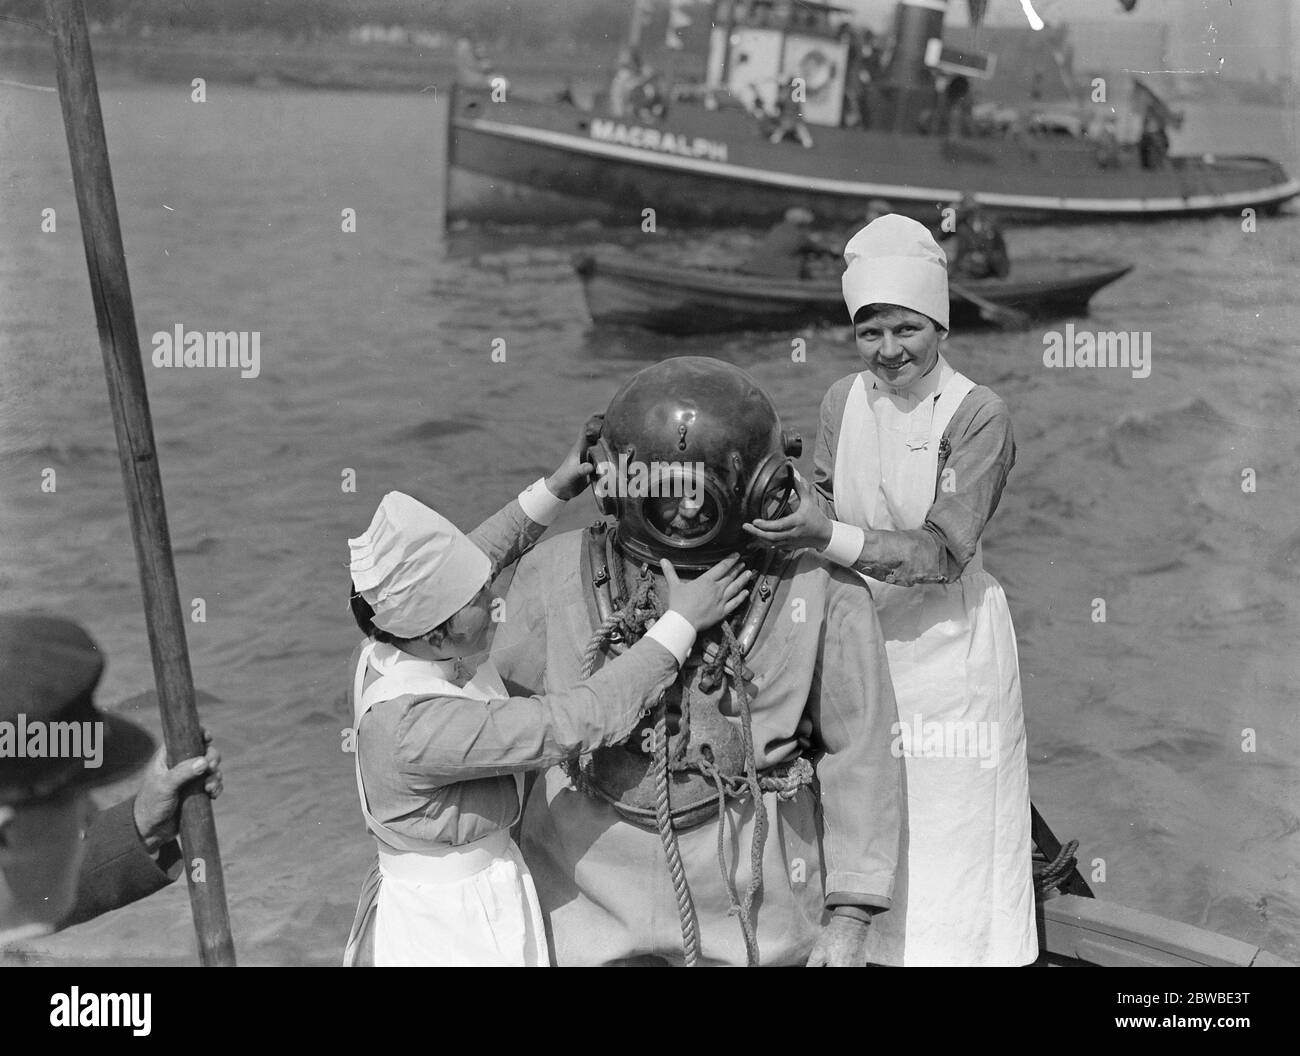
x: 911, y: 460
x: 442, y: 747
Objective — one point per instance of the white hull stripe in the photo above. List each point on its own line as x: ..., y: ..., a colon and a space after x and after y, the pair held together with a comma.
x: 852, y: 188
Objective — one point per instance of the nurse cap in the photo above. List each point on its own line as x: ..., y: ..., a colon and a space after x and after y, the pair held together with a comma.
x: 895, y: 260
x: 414, y: 567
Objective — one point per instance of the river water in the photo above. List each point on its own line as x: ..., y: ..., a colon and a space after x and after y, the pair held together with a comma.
x: 376, y: 358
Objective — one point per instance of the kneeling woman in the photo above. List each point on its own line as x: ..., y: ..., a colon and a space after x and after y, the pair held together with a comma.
x: 442, y: 747
x: 910, y: 462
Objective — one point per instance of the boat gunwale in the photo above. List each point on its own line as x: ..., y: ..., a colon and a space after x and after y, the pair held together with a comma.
x: 765, y: 289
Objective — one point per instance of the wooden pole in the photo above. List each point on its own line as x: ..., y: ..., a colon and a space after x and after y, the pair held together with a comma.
x: 119, y: 342
x: 447, y: 110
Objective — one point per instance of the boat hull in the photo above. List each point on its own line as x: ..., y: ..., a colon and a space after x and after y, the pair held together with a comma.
x: 623, y: 291
x: 710, y: 167
x: 1076, y: 931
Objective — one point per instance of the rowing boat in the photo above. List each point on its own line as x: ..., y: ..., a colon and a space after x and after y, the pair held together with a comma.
x: 625, y: 290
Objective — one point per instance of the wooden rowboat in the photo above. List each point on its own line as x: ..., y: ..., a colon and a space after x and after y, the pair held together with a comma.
x: 625, y: 290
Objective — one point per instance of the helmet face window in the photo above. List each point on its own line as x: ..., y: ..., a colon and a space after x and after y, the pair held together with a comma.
x: 686, y: 521
x: 777, y: 495
x: 685, y: 512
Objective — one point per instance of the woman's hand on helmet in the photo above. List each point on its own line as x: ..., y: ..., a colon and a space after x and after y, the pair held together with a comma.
x: 806, y: 525
x: 573, y: 475
x: 710, y: 596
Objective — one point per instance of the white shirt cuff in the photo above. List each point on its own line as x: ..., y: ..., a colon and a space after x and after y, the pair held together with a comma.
x: 674, y: 632
x: 539, y: 504
x: 846, y: 544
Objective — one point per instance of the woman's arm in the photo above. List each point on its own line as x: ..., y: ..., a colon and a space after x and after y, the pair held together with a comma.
x: 515, y: 528
x: 448, y: 738
x: 968, y: 489
x: 457, y: 739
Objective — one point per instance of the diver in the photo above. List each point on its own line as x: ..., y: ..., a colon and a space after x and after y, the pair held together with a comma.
x: 752, y: 816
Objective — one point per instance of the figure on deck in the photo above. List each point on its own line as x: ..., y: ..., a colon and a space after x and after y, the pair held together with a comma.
x: 752, y: 817
x: 1157, y: 118
x: 789, y: 122
x: 637, y: 89
x: 1153, y: 146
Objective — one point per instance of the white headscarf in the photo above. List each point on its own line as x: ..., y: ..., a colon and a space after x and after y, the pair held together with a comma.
x: 895, y: 260
x: 414, y: 567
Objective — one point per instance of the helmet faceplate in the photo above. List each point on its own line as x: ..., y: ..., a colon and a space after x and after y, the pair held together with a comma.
x: 691, y: 449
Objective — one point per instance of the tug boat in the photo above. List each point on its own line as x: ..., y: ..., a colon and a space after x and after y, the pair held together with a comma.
x: 712, y: 160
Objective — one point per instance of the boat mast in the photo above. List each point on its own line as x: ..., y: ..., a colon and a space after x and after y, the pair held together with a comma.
x: 728, y: 27
x: 916, y: 23
x: 640, y: 15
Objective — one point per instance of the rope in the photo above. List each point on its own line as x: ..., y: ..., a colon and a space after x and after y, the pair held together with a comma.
x: 629, y: 621
x: 683, y: 728
x: 672, y: 851
x: 599, y: 637
x: 1058, y: 868
x: 755, y: 889
x: 711, y: 771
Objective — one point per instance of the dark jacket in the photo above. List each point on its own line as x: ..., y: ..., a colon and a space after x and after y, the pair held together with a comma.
x: 117, y: 869
x: 784, y: 252
x: 981, y: 251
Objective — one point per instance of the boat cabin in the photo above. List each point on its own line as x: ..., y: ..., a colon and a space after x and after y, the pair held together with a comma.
x: 757, y: 45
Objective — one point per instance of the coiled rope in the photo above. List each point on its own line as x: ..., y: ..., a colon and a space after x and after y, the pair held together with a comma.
x: 1057, y: 869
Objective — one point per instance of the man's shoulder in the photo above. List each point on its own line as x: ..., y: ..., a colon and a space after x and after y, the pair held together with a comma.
x: 553, y: 555
x: 810, y: 570
x: 844, y: 593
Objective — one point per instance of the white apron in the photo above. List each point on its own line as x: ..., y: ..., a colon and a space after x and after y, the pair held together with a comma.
x: 964, y: 894
x: 468, y: 906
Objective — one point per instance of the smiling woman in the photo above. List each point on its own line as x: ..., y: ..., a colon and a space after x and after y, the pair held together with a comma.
x: 911, y: 459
